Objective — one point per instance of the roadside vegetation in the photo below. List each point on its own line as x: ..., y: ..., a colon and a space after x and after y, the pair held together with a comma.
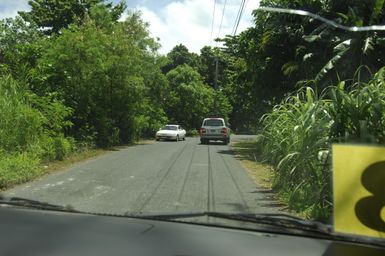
x: 75, y: 75
x: 249, y: 156
x: 339, y: 98
x: 297, y: 135
x: 73, y: 78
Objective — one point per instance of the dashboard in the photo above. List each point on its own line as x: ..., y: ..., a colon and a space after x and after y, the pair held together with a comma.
x: 38, y: 232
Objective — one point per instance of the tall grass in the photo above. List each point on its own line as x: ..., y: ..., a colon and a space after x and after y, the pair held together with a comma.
x: 20, y: 125
x: 297, y: 135
x: 30, y: 132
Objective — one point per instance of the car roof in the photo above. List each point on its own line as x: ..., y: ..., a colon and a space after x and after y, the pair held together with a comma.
x: 216, y: 118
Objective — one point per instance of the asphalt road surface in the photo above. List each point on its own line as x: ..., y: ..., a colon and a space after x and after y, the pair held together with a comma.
x: 160, y: 177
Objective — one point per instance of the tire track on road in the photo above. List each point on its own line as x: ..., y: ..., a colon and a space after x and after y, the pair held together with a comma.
x: 186, y: 178
x: 160, y: 181
x: 235, y: 182
x: 210, y: 184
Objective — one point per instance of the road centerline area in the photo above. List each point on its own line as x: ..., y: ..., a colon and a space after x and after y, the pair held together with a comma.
x: 160, y: 177
x: 210, y: 184
x: 185, y: 179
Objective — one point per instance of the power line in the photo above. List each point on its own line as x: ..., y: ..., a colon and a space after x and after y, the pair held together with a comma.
x: 236, y: 18
x: 239, y: 16
x: 320, y: 18
x: 212, y: 23
x: 220, y: 25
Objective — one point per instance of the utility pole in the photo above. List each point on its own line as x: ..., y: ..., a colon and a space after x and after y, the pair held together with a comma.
x: 216, y: 74
x: 216, y: 86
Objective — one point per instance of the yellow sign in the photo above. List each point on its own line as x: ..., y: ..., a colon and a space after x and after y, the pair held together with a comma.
x: 359, y: 190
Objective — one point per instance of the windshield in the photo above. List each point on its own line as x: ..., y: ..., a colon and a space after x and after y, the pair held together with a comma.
x: 170, y: 127
x: 301, y: 82
x: 213, y: 122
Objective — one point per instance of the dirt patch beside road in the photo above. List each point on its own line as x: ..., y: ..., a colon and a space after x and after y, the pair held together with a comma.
x: 262, y: 174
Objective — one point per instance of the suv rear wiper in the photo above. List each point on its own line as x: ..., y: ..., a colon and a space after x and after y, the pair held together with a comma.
x: 276, y: 223
x: 29, y: 203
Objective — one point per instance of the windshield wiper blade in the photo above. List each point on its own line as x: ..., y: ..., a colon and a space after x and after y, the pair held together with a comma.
x: 277, y: 223
x: 30, y: 203
x: 278, y: 220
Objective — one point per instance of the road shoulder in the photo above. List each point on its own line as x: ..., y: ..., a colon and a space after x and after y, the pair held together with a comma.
x: 262, y: 174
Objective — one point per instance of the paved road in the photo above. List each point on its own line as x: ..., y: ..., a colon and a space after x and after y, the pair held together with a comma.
x: 161, y: 177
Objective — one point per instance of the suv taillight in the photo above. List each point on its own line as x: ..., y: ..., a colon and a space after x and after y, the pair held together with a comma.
x: 202, y: 130
x: 224, y: 130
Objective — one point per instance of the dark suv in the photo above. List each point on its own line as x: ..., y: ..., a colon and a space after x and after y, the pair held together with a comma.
x: 214, y: 129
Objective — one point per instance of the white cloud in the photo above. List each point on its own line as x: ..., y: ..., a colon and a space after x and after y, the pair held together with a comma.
x: 185, y: 22
x: 188, y: 22
x: 9, y: 8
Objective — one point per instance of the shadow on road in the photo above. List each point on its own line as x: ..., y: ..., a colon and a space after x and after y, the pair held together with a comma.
x: 135, y: 144
x: 273, y: 204
x: 226, y: 152
x: 267, y: 191
x: 239, y: 207
x: 213, y: 144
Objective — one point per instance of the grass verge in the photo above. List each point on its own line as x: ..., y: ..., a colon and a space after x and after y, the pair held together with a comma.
x: 246, y: 153
x: 86, y: 155
x: 20, y: 168
x: 72, y: 159
x: 262, y: 174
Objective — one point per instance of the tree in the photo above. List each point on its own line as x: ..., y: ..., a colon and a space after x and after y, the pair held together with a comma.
x: 52, y: 16
x: 190, y: 100
x: 20, y: 46
x: 211, y: 61
x: 180, y: 55
x: 105, y: 73
x: 321, y: 52
x: 282, y: 52
x: 348, y: 51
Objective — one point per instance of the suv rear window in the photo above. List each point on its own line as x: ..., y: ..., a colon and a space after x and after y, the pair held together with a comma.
x: 213, y: 122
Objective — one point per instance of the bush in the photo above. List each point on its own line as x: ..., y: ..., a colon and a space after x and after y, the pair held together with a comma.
x: 56, y: 148
x: 18, y: 168
x: 297, y: 135
x: 293, y: 136
x: 359, y: 113
x: 193, y: 132
x: 21, y: 125
x: 62, y: 147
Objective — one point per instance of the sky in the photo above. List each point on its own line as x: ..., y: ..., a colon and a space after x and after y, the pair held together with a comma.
x: 187, y: 22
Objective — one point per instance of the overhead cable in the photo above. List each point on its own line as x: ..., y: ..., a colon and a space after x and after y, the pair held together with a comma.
x: 220, y: 25
x: 241, y: 10
x: 212, y: 23
x: 320, y: 18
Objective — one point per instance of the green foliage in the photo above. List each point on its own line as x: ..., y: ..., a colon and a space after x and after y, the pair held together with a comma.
x: 31, y: 130
x: 358, y: 114
x: 180, y: 55
x: 212, y: 60
x: 293, y: 136
x: 297, y: 135
x: 55, y: 148
x: 282, y: 52
x: 221, y: 105
x: 21, y: 125
x: 193, y: 133
x: 20, y: 47
x: 17, y: 168
x: 190, y: 100
x: 108, y: 74
x: 53, y: 15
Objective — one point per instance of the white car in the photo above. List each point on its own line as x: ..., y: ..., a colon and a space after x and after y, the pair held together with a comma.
x: 171, y: 132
